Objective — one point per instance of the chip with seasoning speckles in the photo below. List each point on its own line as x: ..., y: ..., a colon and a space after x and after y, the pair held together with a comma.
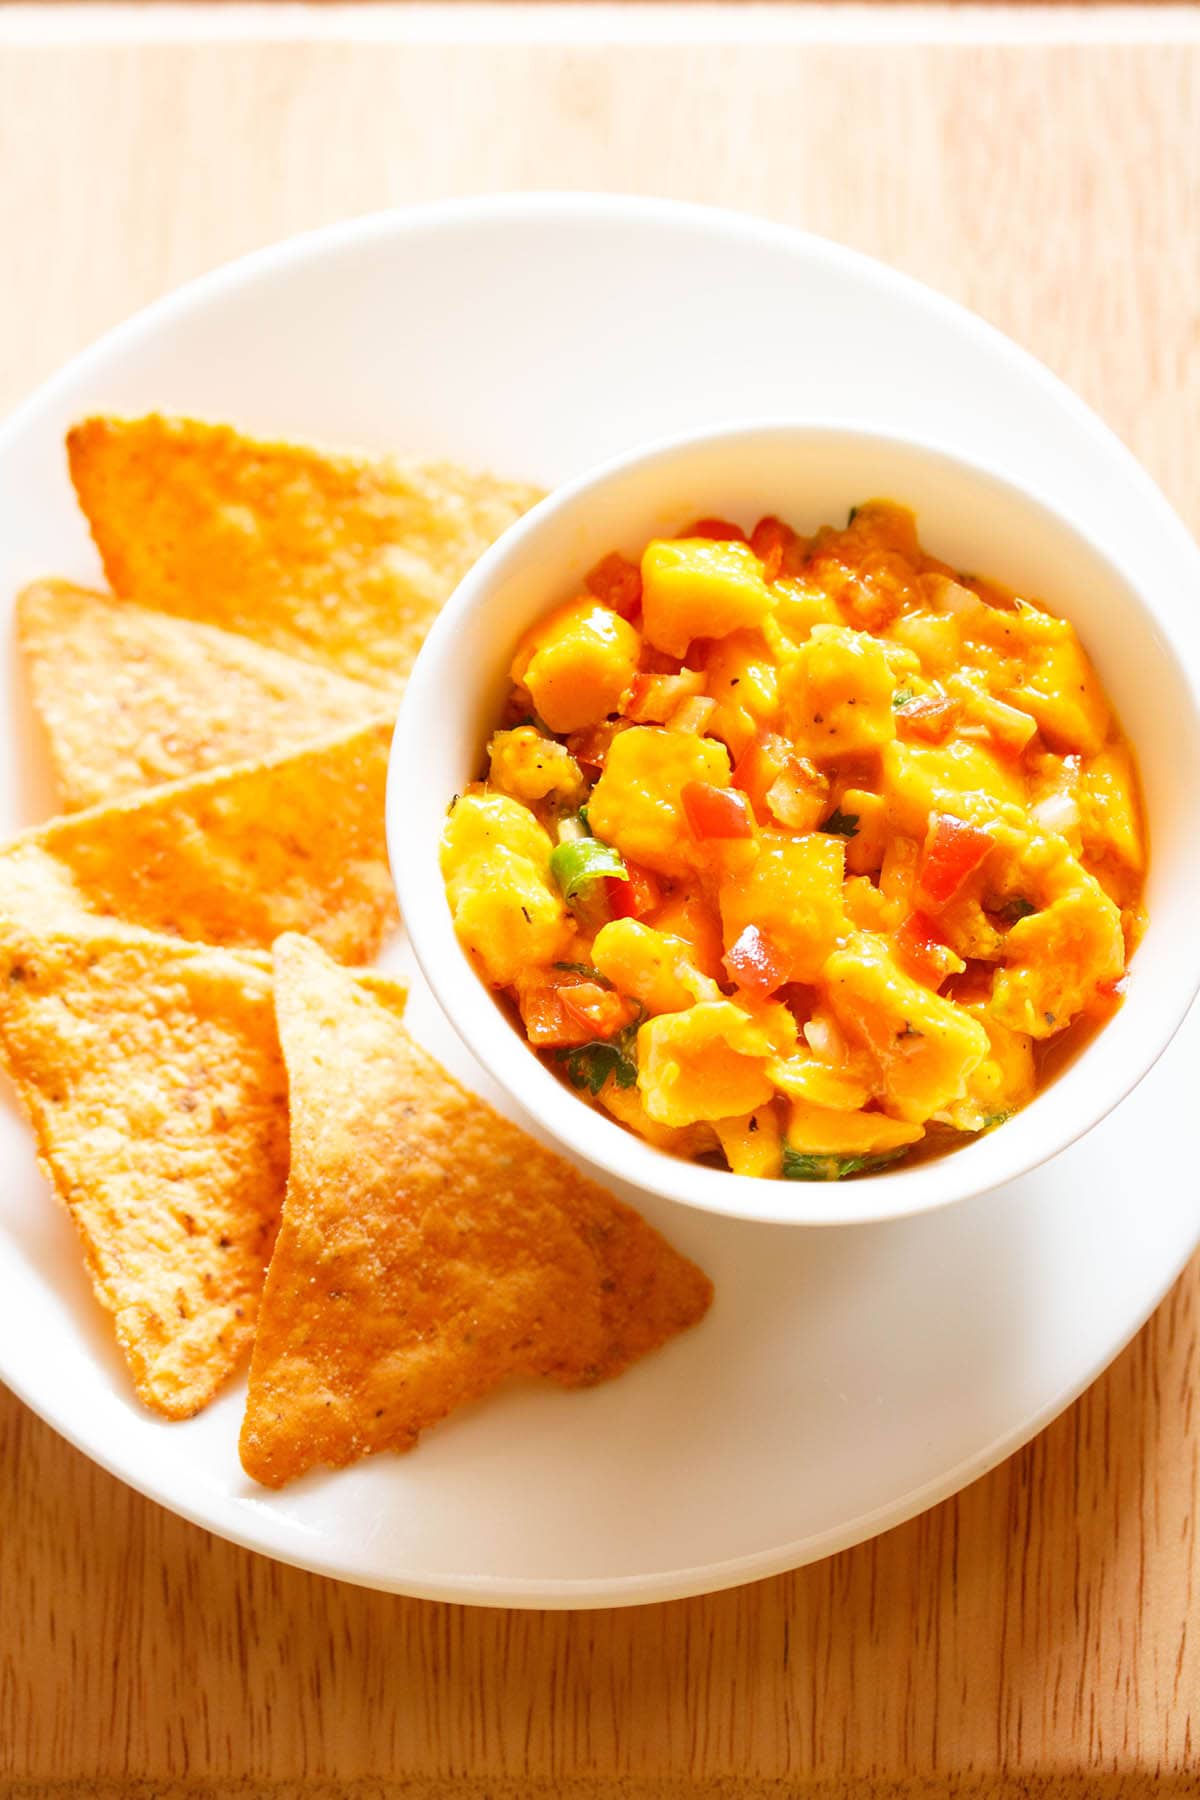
x: 234, y: 856
x: 151, y: 1075
x: 331, y: 556
x: 131, y: 698
x: 428, y: 1247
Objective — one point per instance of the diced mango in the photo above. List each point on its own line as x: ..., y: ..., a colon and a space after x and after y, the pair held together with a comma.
x: 935, y: 638
x: 1004, y: 1081
x: 753, y: 1143
x: 506, y: 915
x: 1063, y: 692
x: 837, y: 693
x: 806, y: 1077
x: 776, y: 1021
x: 650, y: 966
x: 687, y: 913
x: 707, y: 1063
x: 820, y: 1131
x: 793, y: 893
x: 700, y: 588
x: 479, y: 822
x: 868, y: 908
x: 898, y: 876
x: 531, y: 767
x: 926, y: 1047
x: 864, y: 850
x: 960, y: 777
x: 1110, y: 810
x: 577, y: 663
x: 801, y: 604
x: 742, y: 679
x: 884, y: 525
x: 968, y: 930
x: 636, y: 803
x: 1057, y: 958
x: 625, y: 1104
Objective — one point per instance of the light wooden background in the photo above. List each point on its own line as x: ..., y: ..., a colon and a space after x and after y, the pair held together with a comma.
x: 1035, y: 1636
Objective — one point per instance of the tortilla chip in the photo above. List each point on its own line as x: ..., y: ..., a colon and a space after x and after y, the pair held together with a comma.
x: 428, y: 1248
x: 336, y: 558
x: 231, y: 857
x: 150, y: 1071
x: 131, y: 698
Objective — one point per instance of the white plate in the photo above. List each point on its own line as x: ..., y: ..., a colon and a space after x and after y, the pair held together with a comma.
x: 845, y: 1378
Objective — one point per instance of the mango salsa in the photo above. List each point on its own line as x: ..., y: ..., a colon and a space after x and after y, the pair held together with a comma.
x: 802, y: 856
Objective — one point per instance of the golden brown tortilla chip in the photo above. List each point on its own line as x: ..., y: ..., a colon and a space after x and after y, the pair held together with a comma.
x: 232, y: 857
x: 428, y: 1248
x: 337, y: 558
x: 150, y: 1071
x: 131, y: 698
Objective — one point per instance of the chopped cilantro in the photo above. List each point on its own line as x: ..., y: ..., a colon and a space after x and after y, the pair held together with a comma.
x: 1014, y: 909
x: 578, y: 862
x: 590, y: 1065
x: 583, y: 819
x: 990, y: 1120
x: 841, y: 824
x: 901, y: 698
x: 586, y: 970
x: 798, y: 1165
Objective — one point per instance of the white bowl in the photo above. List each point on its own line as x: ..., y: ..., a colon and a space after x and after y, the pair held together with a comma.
x: 1144, y: 645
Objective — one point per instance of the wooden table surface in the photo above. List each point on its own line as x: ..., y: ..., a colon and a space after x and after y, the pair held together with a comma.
x: 1033, y: 1636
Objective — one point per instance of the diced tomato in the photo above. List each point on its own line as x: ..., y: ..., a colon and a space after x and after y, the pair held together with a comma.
x: 953, y: 851
x: 924, y: 950
x: 591, y: 745
x: 781, y: 784
x: 930, y: 718
x: 634, y: 898
x: 719, y: 529
x: 601, y: 1011
x: 801, y: 1000
x: 757, y: 964
x: 547, y: 1022
x: 651, y: 699
x: 777, y: 548
x: 618, y: 583
x: 714, y: 812
x: 761, y: 763
x: 799, y: 795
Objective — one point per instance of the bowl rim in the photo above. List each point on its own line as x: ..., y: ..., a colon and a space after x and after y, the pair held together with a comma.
x: 581, y: 1129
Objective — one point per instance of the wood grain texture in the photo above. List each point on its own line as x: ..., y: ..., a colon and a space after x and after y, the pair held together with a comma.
x: 1034, y: 1636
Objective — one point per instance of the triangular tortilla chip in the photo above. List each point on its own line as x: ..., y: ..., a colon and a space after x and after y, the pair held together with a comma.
x: 231, y: 857
x: 337, y: 558
x: 428, y: 1247
x: 131, y: 698
x: 150, y: 1071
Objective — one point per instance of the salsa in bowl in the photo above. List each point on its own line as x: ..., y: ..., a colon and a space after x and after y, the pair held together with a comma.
x: 804, y: 854
x: 782, y: 858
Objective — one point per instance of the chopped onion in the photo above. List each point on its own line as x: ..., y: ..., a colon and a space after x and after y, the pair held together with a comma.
x: 1057, y: 812
x: 693, y: 715
x: 949, y: 596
